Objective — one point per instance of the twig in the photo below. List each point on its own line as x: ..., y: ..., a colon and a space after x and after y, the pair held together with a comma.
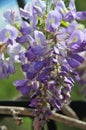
x: 68, y: 111
x: 68, y: 120
x: 21, y: 111
x: 31, y: 112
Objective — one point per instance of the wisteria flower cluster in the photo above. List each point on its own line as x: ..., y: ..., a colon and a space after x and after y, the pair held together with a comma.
x: 47, y: 42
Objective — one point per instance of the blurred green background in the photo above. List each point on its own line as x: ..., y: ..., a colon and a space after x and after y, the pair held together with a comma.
x: 8, y: 91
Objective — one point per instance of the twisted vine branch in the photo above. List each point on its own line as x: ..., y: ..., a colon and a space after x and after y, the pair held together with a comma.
x: 21, y: 111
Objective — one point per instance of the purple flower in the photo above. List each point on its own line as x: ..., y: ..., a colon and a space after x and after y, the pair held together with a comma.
x: 40, y: 38
x: 72, y: 27
x: 72, y: 5
x: 75, y: 60
x: 53, y: 21
x: 39, y: 65
x: 76, y: 37
x: 22, y: 39
x: 76, y: 41
x: 36, y: 7
x: 71, y: 14
x: 25, y: 67
x: 25, y: 28
x: 40, y: 50
x: 81, y: 15
x: 22, y: 86
x: 38, y: 46
x: 11, y: 16
x: 45, y: 74
x: 32, y: 10
x: 6, y: 68
x: 24, y: 13
x: 30, y: 55
x: 29, y: 16
x: 31, y: 75
x: 25, y: 87
x: 9, y: 32
x: 61, y: 8
x: 14, y: 51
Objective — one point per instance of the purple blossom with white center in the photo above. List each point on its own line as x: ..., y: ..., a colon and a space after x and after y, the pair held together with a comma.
x: 76, y: 41
x: 39, y: 38
x: 9, y: 33
x: 53, y: 21
x: 76, y: 37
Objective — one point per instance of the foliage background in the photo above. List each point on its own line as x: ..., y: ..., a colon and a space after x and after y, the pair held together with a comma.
x: 8, y: 91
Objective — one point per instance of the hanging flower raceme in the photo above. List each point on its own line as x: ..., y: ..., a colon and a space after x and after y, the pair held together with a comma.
x: 52, y: 54
x: 9, y: 51
x: 53, y: 42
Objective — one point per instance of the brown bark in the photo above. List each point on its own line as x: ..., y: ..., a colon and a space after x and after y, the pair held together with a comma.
x: 20, y: 111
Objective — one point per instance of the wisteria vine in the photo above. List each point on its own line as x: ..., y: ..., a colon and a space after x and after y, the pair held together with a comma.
x: 48, y: 43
